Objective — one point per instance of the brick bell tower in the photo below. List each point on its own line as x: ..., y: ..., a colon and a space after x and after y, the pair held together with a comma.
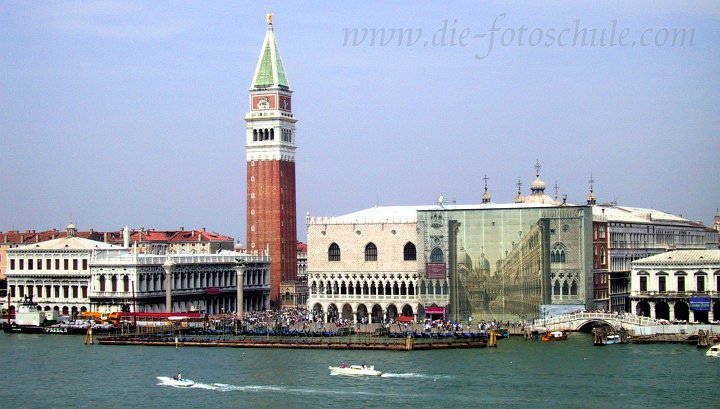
x: 271, y: 213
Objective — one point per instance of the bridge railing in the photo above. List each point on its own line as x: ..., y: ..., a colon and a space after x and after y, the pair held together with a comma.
x: 582, y: 316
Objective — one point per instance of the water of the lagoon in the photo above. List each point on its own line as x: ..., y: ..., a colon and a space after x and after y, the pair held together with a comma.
x: 59, y: 371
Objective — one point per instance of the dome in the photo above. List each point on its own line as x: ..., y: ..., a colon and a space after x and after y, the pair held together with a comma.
x: 537, y: 184
x: 591, y: 199
x: 483, y: 265
x: 540, y: 198
x: 486, y: 197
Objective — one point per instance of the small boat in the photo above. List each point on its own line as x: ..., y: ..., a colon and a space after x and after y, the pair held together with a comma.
x: 616, y: 339
x: 555, y: 336
x: 713, y: 351
x: 354, y: 370
x: 174, y: 381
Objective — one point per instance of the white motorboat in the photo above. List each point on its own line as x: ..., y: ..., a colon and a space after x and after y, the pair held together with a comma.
x: 713, y: 351
x: 173, y: 381
x: 354, y: 370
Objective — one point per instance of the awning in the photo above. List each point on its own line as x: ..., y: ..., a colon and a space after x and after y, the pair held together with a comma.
x: 403, y: 318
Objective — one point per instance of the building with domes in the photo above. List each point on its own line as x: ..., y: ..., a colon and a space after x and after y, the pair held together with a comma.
x: 502, y: 261
x: 537, y: 188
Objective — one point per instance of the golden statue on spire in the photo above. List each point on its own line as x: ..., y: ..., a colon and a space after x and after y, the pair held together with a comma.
x: 269, y: 18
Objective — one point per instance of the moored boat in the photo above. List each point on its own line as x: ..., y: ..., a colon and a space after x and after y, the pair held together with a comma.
x: 713, y: 351
x: 354, y: 370
x: 555, y: 336
x: 605, y: 336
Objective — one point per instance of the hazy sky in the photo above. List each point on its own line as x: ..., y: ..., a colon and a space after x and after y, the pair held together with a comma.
x: 132, y: 112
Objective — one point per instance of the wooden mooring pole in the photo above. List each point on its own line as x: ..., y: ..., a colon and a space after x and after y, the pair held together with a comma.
x: 89, y: 337
x: 492, y: 339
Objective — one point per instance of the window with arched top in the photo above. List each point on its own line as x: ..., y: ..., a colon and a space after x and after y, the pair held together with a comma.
x: 334, y: 252
x: 409, y: 252
x: 371, y: 252
x: 436, y: 255
x: 557, y: 254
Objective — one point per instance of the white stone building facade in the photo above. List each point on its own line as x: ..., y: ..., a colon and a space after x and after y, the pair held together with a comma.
x: 53, y: 273
x: 70, y: 275
x: 681, y: 285
x: 199, y: 282
x: 364, y: 267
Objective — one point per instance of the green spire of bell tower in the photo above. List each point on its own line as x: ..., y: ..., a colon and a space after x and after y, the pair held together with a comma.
x: 270, y: 72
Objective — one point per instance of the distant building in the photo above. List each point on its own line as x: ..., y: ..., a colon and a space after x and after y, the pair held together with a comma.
x: 55, y: 273
x: 461, y: 262
x: 143, y: 241
x: 363, y: 267
x: 71, y: 274
x: 12, y: 239
x: 623, y: 234
x: 199, y: 282
x: 159, y: 242
x: 299, y: 287
x: 681, y: 285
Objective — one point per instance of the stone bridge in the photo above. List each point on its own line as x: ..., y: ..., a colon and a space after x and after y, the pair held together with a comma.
x: 584, y: 321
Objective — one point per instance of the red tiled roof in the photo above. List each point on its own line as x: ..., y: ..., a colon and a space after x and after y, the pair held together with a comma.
x: 114, y: 237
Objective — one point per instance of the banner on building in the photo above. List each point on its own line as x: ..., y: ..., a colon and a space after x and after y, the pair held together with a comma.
x: 435, y: 271
x: 700, y: 303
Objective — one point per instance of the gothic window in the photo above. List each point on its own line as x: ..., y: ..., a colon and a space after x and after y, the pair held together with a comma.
x: 565, y: 288
x: 371, y: 252
x: 556, y: 288
x: 557, y: 254
x: 436, y: 256
x: 334, y: 252
x: 573, y: 288
x: 409, y: 252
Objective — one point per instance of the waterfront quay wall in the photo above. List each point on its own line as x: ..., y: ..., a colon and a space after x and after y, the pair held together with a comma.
x: 689, y: 329
x: 361, y: 343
